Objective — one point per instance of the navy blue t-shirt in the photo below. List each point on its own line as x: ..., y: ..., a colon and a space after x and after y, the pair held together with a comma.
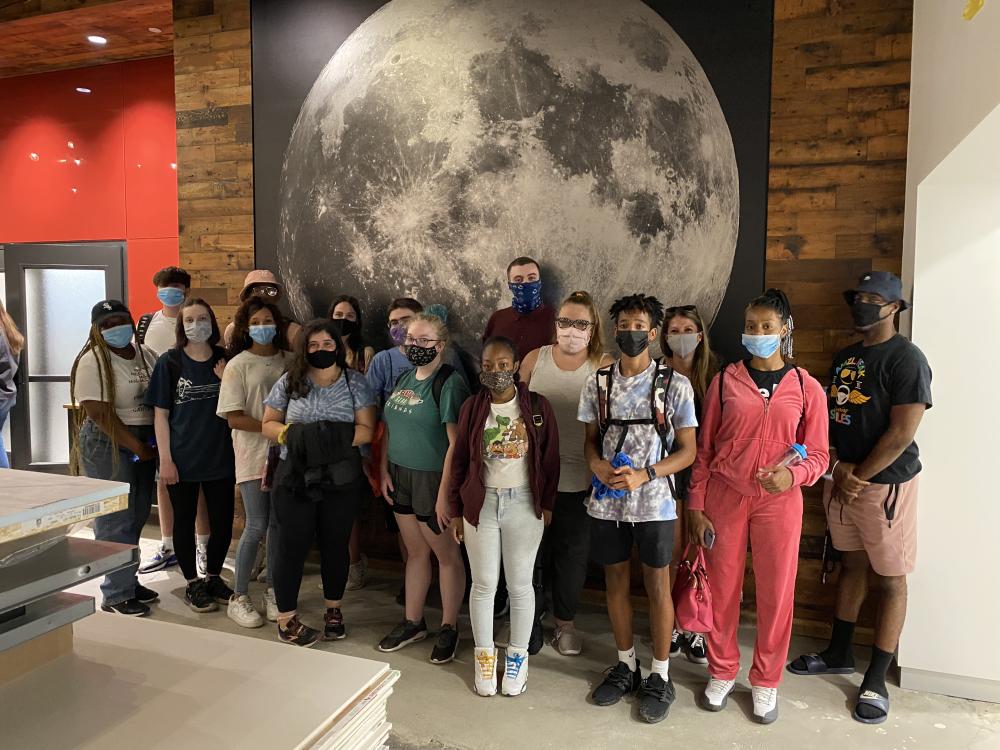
x: 201, y: 442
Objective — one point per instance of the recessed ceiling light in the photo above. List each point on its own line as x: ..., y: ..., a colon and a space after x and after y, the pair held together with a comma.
x: 173, y: 165
x: 33, y: 156
x: 95, y: 39
x: 70, y: 144
x: 82, y: 90
x: 154, y: 30
x: 77, y: 162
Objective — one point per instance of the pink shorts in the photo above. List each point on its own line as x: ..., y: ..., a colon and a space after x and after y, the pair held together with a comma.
x: 863, y: 525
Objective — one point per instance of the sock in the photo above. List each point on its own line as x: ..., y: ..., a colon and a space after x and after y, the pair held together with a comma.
x: 629, y: 658
x: 202, y: 539
x: 840, y: 652
x: 167, y: 542
x: 661, y: 668
x: 875, y: 680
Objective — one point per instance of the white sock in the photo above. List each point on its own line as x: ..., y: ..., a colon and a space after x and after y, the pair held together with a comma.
x: 629, y: 658
x: 167, y: 543
x: 661, y: 668
x: 202, y: 539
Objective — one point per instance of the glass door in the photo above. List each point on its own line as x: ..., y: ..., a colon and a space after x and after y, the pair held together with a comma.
x: 50, y: 289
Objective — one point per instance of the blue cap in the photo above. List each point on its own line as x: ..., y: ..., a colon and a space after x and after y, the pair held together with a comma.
x: 801, y: 450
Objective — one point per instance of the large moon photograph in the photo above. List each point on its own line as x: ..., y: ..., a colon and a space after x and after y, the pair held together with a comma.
x: 446, y: 137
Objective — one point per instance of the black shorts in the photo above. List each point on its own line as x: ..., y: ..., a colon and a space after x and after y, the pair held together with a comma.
x: 415, y: 493
x: 611, y: 542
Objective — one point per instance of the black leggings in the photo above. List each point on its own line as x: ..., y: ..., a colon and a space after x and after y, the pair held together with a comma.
x: 300, y: 521
x: 568, y: 538
x: 220, y: 498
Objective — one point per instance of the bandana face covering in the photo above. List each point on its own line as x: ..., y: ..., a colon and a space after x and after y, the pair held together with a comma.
x: 632, y: 343
x: 497, y: 381
x: 420, y: 355
x: 527, y: 296
x: 571, y: 340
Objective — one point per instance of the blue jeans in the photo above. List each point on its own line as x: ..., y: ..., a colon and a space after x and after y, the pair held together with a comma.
x: 260, y: 520
x: 5, y: 406
x: 124, y: 526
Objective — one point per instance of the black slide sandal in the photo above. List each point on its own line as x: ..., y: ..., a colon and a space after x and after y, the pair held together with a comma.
x: 873, y: 699
x: 813, y: 664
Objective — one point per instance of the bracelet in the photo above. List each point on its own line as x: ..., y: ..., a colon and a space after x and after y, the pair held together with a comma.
x: 283, y: 435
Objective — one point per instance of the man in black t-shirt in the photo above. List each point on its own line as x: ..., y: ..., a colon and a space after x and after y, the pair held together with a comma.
x: 880, y: 388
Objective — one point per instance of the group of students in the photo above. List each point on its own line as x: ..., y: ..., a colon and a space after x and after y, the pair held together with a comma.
x: 546, y: 456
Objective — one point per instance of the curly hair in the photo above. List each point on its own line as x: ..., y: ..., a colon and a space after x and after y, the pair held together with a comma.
x: 241, y: 340
x: 639, y: 303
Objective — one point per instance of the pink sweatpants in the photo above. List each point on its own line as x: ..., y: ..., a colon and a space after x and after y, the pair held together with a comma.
x: 773, y: 524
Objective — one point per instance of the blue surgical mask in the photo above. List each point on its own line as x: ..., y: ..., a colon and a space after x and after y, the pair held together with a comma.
x: 118, y: 337
x: 170, y: 296
x: 762, y: 346
x: 527, y: 296
x: 263, y: 335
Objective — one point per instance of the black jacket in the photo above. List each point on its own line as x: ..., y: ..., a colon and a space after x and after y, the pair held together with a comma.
x: 320, y: 457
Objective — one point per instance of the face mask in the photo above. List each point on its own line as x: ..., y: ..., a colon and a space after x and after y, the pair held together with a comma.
x: 683, y: 344
x: 345, y: 327
x: 497, y: 381
x: 321, y: 359
x: 198, y: 332
x: 170, y: 296
x: 527, y: 296
x: 866, y: 314
x: 118, y: 337
x: 397, y: 332
x: 762, y: 346
x: 571, y: 340
x: 632, y: 343
x: 263, y: 335
x: 421, y: 355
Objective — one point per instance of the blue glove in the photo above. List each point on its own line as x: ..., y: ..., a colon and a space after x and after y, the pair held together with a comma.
x: 601, y: 490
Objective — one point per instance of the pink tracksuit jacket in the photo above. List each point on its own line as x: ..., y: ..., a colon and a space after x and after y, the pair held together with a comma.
x: 739, y: 435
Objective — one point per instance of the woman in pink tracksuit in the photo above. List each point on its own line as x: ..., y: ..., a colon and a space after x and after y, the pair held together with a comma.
x: 754, y: 411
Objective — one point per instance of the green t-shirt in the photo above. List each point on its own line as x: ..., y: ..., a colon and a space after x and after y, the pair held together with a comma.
x: 418, y: 438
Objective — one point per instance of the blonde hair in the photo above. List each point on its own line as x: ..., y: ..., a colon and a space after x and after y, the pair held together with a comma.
x: 439, y: 325
x: 595, y: 349
x: 15, y: 339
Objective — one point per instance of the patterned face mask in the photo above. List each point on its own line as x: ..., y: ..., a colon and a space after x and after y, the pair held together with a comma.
x: 497, y: 381
x: 420, y: 355
x: 527, y: 296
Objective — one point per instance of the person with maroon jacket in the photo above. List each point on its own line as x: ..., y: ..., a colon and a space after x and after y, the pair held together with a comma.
x: 528, y: 322
x: 499, y: 489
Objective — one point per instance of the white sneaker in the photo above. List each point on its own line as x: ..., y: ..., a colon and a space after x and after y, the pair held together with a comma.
x: 242, y: 612
x: 201, y: 559
x: 270, y: 605
x: 515, y: 675
x: 717, y: 694
x: 357, y: 573
x: 486, y: 671
x: 765, y: 704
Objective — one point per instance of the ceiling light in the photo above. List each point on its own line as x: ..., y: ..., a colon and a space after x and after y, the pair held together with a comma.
x: 33, y: 156
x: 70, y: 144
x: 82, y: 90
x: 77, y: 162
x: 154, y: 30
x: 72, y: 190
x: 95, y: 39
x: 173, y: 165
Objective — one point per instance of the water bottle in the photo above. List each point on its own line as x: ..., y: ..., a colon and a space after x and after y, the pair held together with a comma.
x: 134, y: 457
x: 795, y: 454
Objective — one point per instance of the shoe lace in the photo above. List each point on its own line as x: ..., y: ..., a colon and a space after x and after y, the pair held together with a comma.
x: 620, y: 676
x: 514, y: 663
x: 717, y: 689
x: 294, y: 628
x: 445, y: 637
x: 764, y: 695
x: 486, y: 662
x: 655, y: 686
x: 697, y: 641
x: 400, y: 630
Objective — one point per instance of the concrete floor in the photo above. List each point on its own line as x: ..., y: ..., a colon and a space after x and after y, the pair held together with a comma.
x: 435, y: 706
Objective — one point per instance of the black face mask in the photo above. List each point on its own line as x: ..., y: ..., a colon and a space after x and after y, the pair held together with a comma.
x: 323, y: 358
x: 420, y: 355
x: 345, y: 327
x: 867, y: 314
x: 632, y: 343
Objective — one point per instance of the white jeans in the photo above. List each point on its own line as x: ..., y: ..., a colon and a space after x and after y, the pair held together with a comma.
x: 508, y: 528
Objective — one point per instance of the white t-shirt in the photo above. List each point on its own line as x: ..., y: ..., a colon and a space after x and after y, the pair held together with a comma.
x: 161, y: 333
x: 505, y: 446
x: 131, y: 380
x: 246, y: 382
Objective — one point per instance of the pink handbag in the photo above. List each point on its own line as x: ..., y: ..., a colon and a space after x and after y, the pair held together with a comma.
x: 692, y: 595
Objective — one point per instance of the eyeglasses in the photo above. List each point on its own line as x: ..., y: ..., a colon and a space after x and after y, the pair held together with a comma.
x: 681, y: 308
x: 265, y: 291
x: 580, y: 325
x: 422, y: 343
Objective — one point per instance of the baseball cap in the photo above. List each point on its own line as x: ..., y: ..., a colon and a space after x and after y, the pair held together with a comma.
x: 260, y: 276
x: 884, y: 284
x: 106, y: 309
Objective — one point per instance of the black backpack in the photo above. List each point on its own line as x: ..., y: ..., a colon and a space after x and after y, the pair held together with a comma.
x: 142, y: 326
x: 440, y: 378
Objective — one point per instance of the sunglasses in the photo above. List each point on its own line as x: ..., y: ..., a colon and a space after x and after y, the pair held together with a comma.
x: 580, y: 325
x: 264, y: 291
x: 681, y: 308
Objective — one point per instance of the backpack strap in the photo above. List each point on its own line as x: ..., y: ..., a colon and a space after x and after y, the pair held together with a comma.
x: 142, y: 326
x: 659, y: 414
x: 800, y: 432
x: 444, y: 372
x: 604, y: 398
x: 722, y: 375
x: 536, y: 410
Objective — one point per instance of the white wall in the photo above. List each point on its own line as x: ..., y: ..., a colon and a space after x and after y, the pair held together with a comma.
x: 949, y: 644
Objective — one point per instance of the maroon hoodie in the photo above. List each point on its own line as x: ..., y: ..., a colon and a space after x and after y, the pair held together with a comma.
x: 468, y: 490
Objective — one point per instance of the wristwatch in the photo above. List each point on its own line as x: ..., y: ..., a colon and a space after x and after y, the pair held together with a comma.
x: 651, y: 473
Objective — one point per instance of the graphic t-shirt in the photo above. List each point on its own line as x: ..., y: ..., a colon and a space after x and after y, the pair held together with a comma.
x: 418, y: 438
x: 247, y: 381
x: 131, y: 381
x: 336, y: 402
x: 505, y: 446
x: 866, y: 382
x: 161, y: 334
x: 630, y: 399
x: 388, y: 366
x: 767, y: 382
x: 200, y: 442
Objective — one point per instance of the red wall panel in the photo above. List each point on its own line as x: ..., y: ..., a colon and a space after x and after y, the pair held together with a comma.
x: 69, y: 163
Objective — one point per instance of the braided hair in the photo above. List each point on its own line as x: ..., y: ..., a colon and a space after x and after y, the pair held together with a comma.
x: 777, y: 300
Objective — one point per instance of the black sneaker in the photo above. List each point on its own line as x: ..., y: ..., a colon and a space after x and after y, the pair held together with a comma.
x: 655, y: 697
x: 333, y: 625
x: 697, y: 651
x: 218, y: 590
x: 403, y: 635
x: 676, y: 643
x: 297, y: 634
x: 446, y: 646
x: 197, y: 597
x: 537, y: 639
x: 619, y: 682
x: 131, y: 608
x: 146, y: 595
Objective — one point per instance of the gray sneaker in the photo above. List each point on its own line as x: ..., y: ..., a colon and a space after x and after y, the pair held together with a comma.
x: 567, y: 641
